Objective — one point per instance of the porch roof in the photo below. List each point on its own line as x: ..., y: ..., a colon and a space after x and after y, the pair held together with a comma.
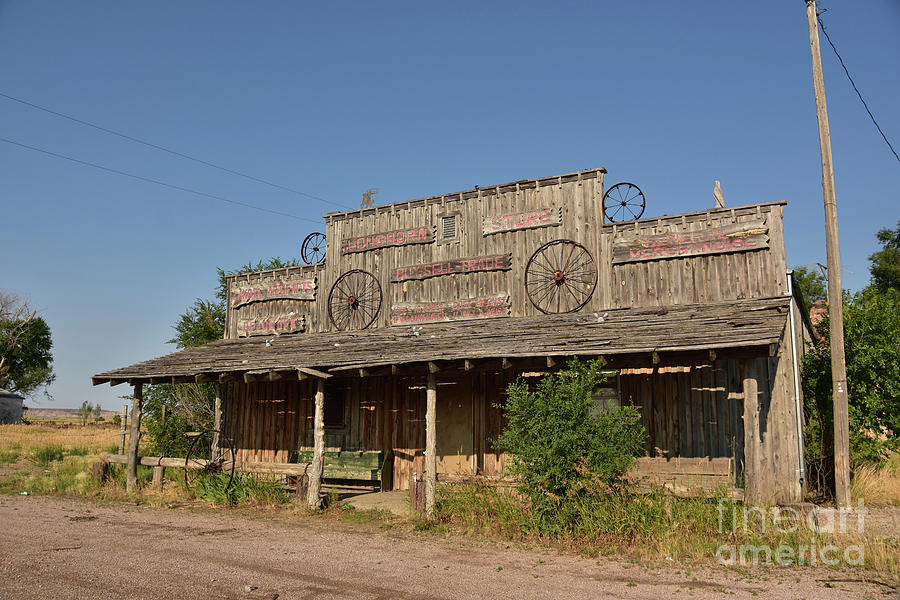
x: 727, y: 325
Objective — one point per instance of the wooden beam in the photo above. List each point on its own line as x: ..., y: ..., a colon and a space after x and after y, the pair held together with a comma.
x: 134, y: 438
x: 468, y: 364
x: 712, y: 356
x: 433, y: 367
x: 506, y: 364
x: 223, y: 377
x: 113, y: 381
x: 315, y: 373
x: 217, y: 420
x: 204, y: 378
x: 315, y: 471
x: 395, y: 369
x: 773, y: 351
x: 655, y: 357
x: 430, y: 442
x: 182, y: 379
x: 123, y: 432
x: 551, y: 362
x: 364, y: 373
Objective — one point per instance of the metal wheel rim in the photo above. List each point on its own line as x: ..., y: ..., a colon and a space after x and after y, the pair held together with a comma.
x: 312, y: 251
x: 354, y: 301
x: 560, y: 277
x: 623, y: 202
x: 223, y: 464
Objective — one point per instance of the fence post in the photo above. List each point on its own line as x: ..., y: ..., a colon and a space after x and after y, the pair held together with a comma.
x: 124, y: 429
x: 159, y: 472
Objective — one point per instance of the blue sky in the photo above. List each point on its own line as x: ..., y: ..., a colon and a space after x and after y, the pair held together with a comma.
x: 414, y: 99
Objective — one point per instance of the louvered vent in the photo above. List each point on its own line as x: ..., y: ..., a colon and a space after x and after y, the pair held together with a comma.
x: 448, y: 227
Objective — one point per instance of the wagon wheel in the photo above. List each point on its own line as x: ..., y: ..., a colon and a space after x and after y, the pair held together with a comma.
x: 211, y: 457
x: 623, y: 202
x: 560, y: 277
x: 355, y: 300
x: 312, y: 251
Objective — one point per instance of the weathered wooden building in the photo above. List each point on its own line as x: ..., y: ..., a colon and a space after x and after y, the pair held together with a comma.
x: 404, y: 338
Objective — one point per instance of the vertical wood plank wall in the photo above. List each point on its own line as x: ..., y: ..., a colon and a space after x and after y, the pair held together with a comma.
x: 267, y: 421
x: 742, y: 409
x: 730, y: 408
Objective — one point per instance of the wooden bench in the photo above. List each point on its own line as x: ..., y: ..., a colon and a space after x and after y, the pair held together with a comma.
x: 354, y: 468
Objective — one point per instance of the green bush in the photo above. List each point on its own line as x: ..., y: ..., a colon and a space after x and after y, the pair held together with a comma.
x: 561, y: 442
x: 871, y: 330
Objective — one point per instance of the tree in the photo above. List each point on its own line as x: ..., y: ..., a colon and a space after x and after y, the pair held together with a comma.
x: 190, y: 406
x: 812, y: 284
x: 85, y: 411
x: 885, y: 267
x: 871, y: 331
x: 25, y: 343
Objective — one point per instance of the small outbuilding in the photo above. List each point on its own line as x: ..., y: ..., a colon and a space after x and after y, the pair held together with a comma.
x: 11, y: 407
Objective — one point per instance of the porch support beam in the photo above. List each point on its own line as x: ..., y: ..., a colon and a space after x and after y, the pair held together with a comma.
x: 217, y: 420
x: 315, y: 470
x: 430, y: 442
x: 134, y: 438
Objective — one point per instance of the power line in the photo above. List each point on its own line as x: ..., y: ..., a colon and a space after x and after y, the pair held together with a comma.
x: 170, y: 151
x: 156, y: 181
x: 853, y: 83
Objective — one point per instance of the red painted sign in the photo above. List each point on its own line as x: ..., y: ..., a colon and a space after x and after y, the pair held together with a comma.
x: 494, y: 262
x: 274, y: 325
x: 530, y: 219
x: 280, y: 288
x: 401, y: 237
x: 736, y: 237
x: 413, y: 313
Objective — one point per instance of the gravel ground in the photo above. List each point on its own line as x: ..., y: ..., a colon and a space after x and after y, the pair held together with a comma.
x: 69, y: 548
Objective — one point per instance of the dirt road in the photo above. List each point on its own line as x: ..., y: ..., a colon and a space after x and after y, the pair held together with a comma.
x: 60, y: 548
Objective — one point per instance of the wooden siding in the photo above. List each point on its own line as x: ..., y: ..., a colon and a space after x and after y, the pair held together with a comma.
x: 268, y: 421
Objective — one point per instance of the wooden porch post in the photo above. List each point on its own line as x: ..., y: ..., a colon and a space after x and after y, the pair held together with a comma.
x: 217, y: 422
x: 430, y: 442
x: 315, y: 470
x: 134, y: 438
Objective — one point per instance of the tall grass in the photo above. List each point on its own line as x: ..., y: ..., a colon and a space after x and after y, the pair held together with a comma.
x: 637, y: 525
x: 28, y: 438
x: 878, y: 485
x: 244, y: 489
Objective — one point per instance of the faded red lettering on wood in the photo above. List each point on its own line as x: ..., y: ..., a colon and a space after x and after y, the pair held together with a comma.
x: 272, y: 287
x: 274, y: 325
x: 493, y: 262
x: 530, y: 219
x: 412, y: 313
x: 734, y: 237
x: 400, y: 237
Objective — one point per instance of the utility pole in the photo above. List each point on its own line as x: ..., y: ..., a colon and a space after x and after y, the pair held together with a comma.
x: 835, y: 300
